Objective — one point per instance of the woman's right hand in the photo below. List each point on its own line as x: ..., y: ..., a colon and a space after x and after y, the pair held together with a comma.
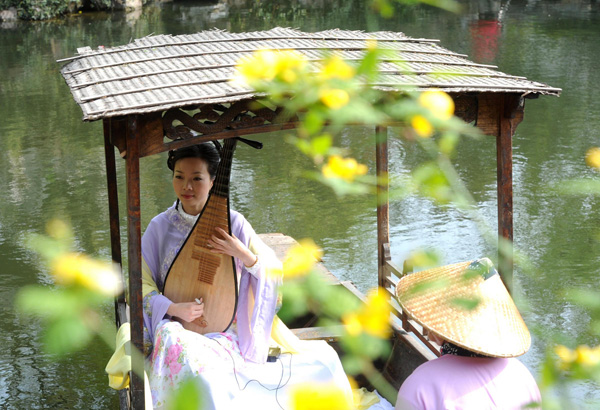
x: 188, y: 311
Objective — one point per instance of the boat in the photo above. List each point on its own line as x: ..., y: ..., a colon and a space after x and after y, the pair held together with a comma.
x: 164, y: 92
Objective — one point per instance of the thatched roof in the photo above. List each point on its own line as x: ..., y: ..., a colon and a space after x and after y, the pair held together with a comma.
x: 156, y: 73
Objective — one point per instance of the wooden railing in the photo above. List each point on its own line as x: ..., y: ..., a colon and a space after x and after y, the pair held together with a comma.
x: 392, y: 275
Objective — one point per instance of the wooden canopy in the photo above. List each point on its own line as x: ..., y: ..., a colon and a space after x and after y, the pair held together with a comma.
x: 163, y: 92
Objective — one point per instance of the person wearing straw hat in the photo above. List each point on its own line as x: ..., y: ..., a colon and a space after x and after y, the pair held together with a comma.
x: 470, y: 314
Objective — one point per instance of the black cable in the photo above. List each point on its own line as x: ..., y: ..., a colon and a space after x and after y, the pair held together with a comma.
x: 279, y: 386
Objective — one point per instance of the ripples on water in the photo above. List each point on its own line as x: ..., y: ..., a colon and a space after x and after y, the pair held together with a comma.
x: 53, y: 166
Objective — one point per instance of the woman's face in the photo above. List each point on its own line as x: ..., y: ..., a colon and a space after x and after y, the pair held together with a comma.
x: 192, y: 183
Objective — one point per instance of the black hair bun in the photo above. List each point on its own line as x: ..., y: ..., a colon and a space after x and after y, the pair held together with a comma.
x: 206, y: 151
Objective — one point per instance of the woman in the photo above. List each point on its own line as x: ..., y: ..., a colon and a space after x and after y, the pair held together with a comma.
x: 232, y: 365
x: 469, y: 313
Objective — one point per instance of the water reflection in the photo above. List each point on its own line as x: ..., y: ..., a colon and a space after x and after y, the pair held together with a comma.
x: 486, y: 30
x: 53, y: 166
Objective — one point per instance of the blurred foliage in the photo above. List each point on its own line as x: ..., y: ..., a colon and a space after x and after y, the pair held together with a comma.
x: 564, y: 366
x: 191, y: 395
x: 44, y: 9
x: 332, y: 94
x: 49, y: 9
x: 69, y: 310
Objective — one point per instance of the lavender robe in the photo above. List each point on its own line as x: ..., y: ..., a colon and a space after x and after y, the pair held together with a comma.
x: 160, y: 244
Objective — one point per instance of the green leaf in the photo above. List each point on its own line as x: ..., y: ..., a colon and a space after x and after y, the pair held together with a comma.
x: 302, y: 144
x: 587, y: 298
x: 47, y: 247
x: 447, y: 143
x: 66, y: 335
x: 313, y: 122
x: 384, y: 7
x: 341, y: 187
x: 466, y: 303
x: 352, y: 364
x: 294, y: 301
x: 48, y: 302
x: 339, y: 302
x: 448, y: 5
x: 45, y: 302
x: 420, y: 259
x: 427, y: 286
x: 321, y: 144
x: 192, y: 394
x: 368, y: 65
x: 365, y: 346
x: 578, y: 187
x: 549, y: 374
x: 432, y: 183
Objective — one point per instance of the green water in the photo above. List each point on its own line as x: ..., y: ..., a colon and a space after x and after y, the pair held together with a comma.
x: 52, y: 164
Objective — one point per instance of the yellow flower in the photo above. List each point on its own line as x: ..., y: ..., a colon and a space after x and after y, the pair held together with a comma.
x: 345, y: 168
x: 58, y: 229
x: 335, y: 67
x: 318, y: 396
x: 421, y: 126
x: 288, y: 64
x: 372, y: 318
x: 265, y: 65
x: 75, y: 268
x: 587, y: 356
x: 353, y: 382
x: 592, y: 157
x: 439, y: 103
x: 353, y: 325
x: 565, y: 354
x: 371, y: 44
x: 261, y: 65
x: 301, y: 258
x: 334, y: 98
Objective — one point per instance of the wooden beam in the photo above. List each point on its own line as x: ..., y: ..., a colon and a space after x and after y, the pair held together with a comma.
x: 465, y: 107
x: 135, y: 260
x: 383, y: 216
x: 153, y: 147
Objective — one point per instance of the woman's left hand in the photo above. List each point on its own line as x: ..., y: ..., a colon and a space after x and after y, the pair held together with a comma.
x: 230, y: 245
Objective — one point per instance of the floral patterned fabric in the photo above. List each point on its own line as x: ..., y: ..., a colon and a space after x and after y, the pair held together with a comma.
x: 230, y: 368
x: 230, y: 382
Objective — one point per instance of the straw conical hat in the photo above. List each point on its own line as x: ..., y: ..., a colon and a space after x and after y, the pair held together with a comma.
x: 438, y: 298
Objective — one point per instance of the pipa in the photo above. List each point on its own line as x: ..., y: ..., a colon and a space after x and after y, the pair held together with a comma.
x: 196, y: 272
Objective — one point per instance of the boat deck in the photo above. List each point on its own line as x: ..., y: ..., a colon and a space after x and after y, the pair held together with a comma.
x: 407, y: 352
x: 281, y: 243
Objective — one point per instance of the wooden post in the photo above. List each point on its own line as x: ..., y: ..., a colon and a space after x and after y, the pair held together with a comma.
x: 509, y: 107
x: 383, y: 216
x: 135, y: 260
x: 113, y: 210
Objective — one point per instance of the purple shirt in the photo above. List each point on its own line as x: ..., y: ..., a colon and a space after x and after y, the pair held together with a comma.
x: 160, y: 244
x: 457, y: 382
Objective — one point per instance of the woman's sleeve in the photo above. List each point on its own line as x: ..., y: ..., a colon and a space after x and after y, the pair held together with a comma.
x: 257, y: 302
x: 155, y: 307
x: 155, y: 304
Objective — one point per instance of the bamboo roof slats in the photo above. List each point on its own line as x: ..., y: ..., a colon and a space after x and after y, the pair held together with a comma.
x: 156, y: 73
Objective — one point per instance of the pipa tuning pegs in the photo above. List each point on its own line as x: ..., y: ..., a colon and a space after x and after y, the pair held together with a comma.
x: 253, y: 144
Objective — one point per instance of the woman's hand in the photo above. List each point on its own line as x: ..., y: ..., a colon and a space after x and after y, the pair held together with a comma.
x: 227, y: 244
x: 188, y: 311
